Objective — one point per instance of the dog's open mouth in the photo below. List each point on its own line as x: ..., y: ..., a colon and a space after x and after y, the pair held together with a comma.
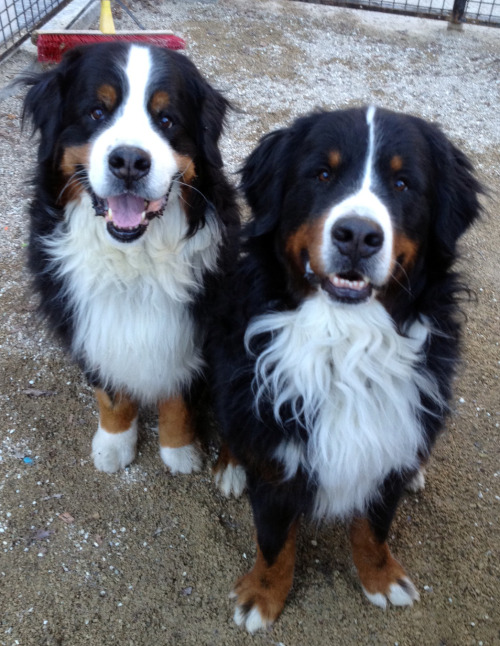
x: 127, y: 216
x: 348, y: 287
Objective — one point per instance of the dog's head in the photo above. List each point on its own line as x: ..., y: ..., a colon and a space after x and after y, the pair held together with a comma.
x: 359, y: 202
x: 132, y: 126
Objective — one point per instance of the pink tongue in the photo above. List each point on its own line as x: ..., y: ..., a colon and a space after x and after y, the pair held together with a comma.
x: 126, y: 210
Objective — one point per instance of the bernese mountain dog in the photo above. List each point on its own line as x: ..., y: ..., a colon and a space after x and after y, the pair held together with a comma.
x: 337, y: 336
x: 131, y: 223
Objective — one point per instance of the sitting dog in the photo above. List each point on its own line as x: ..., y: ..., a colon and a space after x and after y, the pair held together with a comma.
x: 131, y: 222
x: 337, y: 336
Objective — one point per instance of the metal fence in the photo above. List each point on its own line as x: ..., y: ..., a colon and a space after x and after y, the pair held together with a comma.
x: 19, y: 17
x: 482, y: 12
x: 486, y: 12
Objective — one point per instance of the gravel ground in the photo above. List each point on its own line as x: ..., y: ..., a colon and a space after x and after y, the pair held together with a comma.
x: 143, y: 557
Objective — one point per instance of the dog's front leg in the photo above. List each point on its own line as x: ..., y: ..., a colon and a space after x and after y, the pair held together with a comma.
x: 382, y: 577
x: 178, y: 448
x: 261, y: 594
x: 113, y: 446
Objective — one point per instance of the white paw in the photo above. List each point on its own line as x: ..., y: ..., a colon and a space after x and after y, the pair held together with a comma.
x: 114, y: 451
x: 417, y: 483
x: 231, y: 480
x: 185, y: 459
x: 401, y: 593
x: 251, y: 620
x: 378, y: 599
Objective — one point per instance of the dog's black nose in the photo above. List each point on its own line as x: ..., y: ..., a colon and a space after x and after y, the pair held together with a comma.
x: 129, y: 163
x: 357, y: 237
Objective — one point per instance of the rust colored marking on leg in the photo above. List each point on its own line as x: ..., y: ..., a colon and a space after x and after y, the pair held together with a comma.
x: 266, y: 587
x: 116, y: 415
x: 175, y: 426
x: 376, y: 566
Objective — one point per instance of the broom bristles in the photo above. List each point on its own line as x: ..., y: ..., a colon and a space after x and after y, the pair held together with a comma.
x: 52, y: 45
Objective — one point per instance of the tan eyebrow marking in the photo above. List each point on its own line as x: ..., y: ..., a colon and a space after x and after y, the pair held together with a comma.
x: 107, y: 94
x: 334, y: 158
x: 396, y: 163
x: 159, y: 101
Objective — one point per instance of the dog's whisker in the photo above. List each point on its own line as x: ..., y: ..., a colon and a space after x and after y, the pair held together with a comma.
x: 393, y: 276
x: 73, y: 180
x: 181, y: 183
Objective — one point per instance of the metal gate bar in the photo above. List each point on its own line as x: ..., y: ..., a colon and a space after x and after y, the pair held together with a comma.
x: 19, y: 17
x: 482, y: 12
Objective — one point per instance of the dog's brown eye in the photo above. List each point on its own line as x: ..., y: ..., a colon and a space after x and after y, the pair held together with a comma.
x: 165, y: 121
x: 324, y: 175
x: 97, y: 114
x: 400, y: 185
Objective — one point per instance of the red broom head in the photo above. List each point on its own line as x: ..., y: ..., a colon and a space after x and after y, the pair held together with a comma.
x: 52, y: 45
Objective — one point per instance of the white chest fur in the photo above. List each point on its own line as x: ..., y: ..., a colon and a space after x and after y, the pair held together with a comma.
x: 131, y: 302
x: 355, y: 383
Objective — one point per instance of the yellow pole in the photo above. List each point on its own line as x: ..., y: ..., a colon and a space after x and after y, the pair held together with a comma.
x: 106, y: 24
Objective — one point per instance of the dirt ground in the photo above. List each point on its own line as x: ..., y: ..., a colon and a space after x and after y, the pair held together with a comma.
x: 142, y: 557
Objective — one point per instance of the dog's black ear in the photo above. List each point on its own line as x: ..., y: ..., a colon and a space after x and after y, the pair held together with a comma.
x: 262, y: 181
x: 456, y: 192
x: 210, y: 109
x: 213, y: 114
x: 43, y: 105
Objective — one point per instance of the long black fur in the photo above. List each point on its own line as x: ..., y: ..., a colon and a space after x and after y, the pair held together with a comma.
x: 57, y: 105
x: 279, y: 187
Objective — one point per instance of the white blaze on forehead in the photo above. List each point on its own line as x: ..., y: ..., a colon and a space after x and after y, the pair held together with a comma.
x: 365, y: 203
x: 367, y: 179
x: 132, y: 126
x: 135, y: 108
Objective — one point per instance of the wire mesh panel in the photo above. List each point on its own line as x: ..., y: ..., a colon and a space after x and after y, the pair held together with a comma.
x: 483, y: 11
x: 19, y: 17
x: 486, y: 12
